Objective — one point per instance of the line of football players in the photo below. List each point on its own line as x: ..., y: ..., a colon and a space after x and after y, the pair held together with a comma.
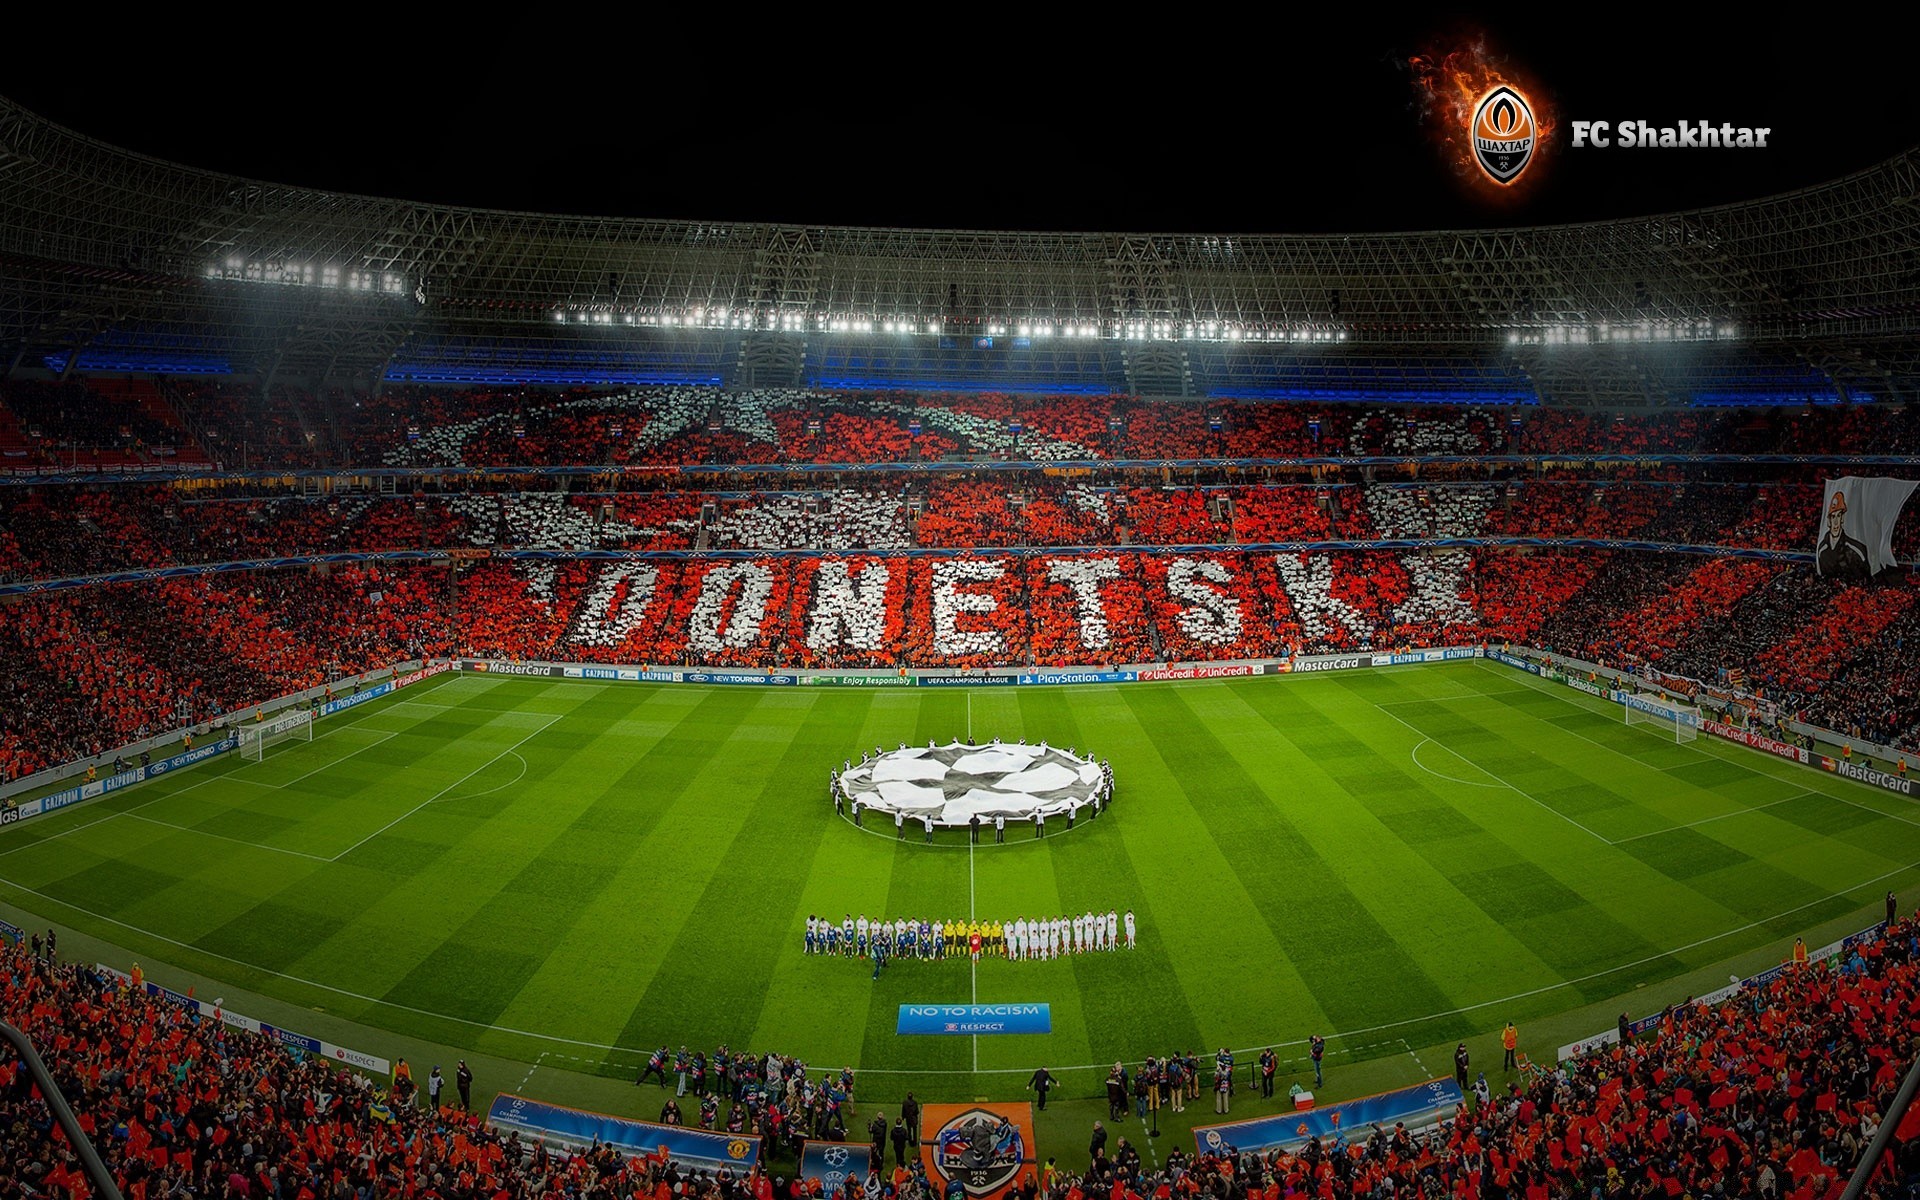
x: 1019, y: 939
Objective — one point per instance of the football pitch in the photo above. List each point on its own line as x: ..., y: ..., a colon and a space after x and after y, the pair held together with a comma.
x: 1395, y: 858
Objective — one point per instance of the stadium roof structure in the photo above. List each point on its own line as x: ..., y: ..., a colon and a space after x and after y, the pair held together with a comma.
x: 116, y: 261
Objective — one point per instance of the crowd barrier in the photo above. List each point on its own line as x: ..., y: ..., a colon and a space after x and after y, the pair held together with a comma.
x: 1417, y: 1105
x: 40, y: 779
x: 979, y: 677
x: 1831, y: 953
x: 1568, y: 671
x: 286, y: 1037
x: 232, y: 739
x: 701, y: 1149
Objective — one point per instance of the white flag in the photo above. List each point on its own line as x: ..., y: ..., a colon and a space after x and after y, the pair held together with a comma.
x: 1856, y: 540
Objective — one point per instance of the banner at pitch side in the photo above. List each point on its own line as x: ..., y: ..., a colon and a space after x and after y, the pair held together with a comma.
x: 962, y: 1020
x: 741, y: 677
x: 291, y: 719
x: 343, y: 703
x: 857, y: 681
x: 964, y: 680
x: 1642, y: 704
x: 1052, y: 677
x: 1734, y: 733
x: 1202, y: 671
x: 1344, y: 662
x: 1286, y: 1130
x: 1868, y: 775
x: 286, y: 1037
x: 195, y: 755
x: 983, y: 1149
x: 493, y: 666
x: 1832, y: 951
x: 700, y: 1149
x: 833, y: 1163
x: 424, y: 673
x: 1518, y: 664
x: 12, y: 932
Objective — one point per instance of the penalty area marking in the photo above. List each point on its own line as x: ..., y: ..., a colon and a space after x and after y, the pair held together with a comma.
x: 1496, y: 784
x: 496, y: 787
x: 1523, y: 794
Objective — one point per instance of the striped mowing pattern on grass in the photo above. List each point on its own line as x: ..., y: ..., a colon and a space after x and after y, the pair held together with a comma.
x: 529, y: 866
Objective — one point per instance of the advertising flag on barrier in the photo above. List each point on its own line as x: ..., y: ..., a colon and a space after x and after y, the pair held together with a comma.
x: 833, y: 1163
x: 697, y: 1148
x: 983, y: 1149
x: 1291, y: 1129
x: 964, y: 1019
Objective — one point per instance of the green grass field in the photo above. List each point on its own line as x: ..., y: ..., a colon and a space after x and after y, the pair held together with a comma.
x: 1395, y: 858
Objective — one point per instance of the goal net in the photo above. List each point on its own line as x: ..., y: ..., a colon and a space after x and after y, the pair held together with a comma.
x: 292, y: 726
x: 1679, y: 721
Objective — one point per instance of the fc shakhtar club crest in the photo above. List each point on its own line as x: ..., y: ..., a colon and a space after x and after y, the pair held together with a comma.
x: 1503, y: 134
x: 980, y: 1149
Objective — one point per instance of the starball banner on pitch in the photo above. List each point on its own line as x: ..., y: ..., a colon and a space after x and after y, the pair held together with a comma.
x: 983, y: 1148
x: 1856, y: 531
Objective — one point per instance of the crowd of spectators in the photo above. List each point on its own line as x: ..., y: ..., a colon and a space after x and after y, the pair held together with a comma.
x: 664, y: 427
x: 98, y: 667
x: 1776, y: 1091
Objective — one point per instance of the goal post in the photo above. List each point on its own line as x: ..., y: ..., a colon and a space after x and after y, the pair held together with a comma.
x: 1682, y: 721
x: 296, y: 725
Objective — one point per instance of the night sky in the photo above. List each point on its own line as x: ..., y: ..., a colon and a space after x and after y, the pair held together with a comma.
x: 1173, y: 122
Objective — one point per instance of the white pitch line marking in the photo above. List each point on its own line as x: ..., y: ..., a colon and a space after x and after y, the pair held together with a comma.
x: 1517, y: 791
x: 443, y: 791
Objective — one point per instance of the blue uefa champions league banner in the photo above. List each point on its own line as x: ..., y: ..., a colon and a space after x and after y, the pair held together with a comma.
x: 12, y: 932
x: 1292, y: 1129
x: 696, y: 1148
x: 833, y: 1163
x: 964, y: 1019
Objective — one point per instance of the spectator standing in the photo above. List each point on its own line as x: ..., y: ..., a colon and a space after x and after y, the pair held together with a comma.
x: 463, y: 1081
x: 1318, y: 1046
x: 1510, y: 1043
x: 436, y: 1082
x: 1460, y: 1066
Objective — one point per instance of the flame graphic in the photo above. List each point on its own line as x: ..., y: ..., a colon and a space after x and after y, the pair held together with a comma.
x: 1448, y: 83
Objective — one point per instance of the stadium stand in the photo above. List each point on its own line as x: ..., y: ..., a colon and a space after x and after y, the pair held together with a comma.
x: 1774, y: 1092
